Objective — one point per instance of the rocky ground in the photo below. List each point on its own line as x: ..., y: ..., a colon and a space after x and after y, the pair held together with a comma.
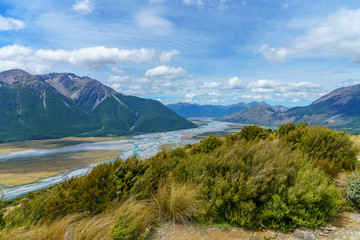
x: 345, y: 226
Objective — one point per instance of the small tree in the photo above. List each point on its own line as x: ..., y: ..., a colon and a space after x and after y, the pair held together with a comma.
x: 210, y: 144
x: 252, y: 132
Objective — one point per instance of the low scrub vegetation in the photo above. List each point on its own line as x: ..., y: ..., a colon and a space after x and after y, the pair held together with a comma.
x: 352, y: 189
x: 256, y: 177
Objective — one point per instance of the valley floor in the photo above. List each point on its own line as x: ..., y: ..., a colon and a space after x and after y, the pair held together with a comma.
x: 29, y: 170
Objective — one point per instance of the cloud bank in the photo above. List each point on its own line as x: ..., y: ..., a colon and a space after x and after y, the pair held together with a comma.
x: 38, y: 60
x: 338, y: 34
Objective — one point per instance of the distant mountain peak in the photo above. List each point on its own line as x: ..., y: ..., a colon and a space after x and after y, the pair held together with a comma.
x: 81, y: 89
x: 15, y: 77
x: 341, y: 96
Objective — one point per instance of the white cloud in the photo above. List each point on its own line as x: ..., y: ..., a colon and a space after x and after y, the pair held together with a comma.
x: 166, y: 57
x: 189, y: 97
x: 208, y: 4
x: 84, y: 6
x: 7, y: 24
x: 118, y: 71
x: 167, y: 72
x: 119, y: 79
x: 270, y: 86
x: 210, y: 85
x: 152, y: 21
x: 256, y: 97
x: 338, y: 34
x: 38, y: 60
x: 235, y: 83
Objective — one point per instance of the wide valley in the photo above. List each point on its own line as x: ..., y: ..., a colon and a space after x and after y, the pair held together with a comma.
x: 33, y: 165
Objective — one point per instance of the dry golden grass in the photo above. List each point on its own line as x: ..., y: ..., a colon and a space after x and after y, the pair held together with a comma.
x: 356, y: 140
x: 138, y: 217
x: 73, y: 226
x: 177, y: 202
x: 30, y: 170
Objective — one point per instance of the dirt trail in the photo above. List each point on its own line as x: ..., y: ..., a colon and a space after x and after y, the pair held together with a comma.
x: 344, y: 226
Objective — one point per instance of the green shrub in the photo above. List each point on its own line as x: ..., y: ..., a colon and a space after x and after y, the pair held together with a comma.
x: 210, y: 143
x: 88, y: 194
x: 125, y: 175
x: 243, y: 179
x: 284, y: 129
x: 310, y: 202
x: 207, y: 145
x: 330, y: 150
x: 352, y: 189
x: 135, y: 221
x: 253, y: 132
x: 29, y: 211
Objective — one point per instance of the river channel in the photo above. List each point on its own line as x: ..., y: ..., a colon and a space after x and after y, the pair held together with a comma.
x: 144, y: 146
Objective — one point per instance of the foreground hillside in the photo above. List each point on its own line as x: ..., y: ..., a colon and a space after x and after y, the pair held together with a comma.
x: 339, y: 110
x: 62, y: 104
x: 255, y: 178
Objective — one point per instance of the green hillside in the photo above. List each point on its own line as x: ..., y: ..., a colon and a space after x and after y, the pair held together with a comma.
x: 23, y: 115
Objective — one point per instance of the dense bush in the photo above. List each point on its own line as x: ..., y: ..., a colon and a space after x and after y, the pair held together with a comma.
x: 207, y: 145
x: 125, y: 175
x: 309, y: 202
x: 88, y: 194
x: 352, y: 190
x: 327, y: 149
x: 285, y: 129
x: 253, y: 132
x: 31, y: 210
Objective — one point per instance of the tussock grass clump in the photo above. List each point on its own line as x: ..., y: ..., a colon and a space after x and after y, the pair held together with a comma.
x: 177, y: 202
x: 135, y: 221
x: 126, y: 220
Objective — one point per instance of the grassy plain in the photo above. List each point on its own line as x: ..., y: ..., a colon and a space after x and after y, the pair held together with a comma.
x: 23, y: 171
x: 51, y: 143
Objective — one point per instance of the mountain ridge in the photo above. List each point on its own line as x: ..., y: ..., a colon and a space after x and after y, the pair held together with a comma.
x: 62, y: 104
x: 339, y: 109
x: 196, y: 110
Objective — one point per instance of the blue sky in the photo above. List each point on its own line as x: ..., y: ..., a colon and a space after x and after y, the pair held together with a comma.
x: 287, y: 52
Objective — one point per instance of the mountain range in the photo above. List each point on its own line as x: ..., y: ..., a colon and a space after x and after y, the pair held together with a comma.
x: 62, y: 104
x: 339, y: 109
x: 188, y: 110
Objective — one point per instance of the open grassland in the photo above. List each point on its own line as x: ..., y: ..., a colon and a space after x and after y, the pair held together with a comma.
x: 23, y: 171
x: 51, y: 143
